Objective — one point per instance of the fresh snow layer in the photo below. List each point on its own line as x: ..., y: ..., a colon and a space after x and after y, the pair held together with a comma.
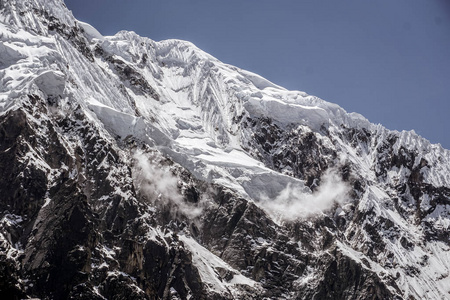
x: 195, y: 117
x: 193, y: 123
x: 90, y: 32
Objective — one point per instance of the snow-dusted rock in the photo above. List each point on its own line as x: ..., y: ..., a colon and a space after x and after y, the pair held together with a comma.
x: 143, y: 169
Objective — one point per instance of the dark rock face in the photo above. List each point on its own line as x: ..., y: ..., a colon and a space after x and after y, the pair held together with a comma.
x: 76, y: 223
x: 300, y: 154
x: 75, y: 242
x: 60, y: 240
x: 353, y: 282
x: 305, y: 156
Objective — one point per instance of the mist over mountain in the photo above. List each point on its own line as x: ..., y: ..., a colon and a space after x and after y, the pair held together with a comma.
x: 151, y: 170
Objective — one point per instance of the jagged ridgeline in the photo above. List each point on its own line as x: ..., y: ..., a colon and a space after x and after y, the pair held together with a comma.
x: 135, y: 169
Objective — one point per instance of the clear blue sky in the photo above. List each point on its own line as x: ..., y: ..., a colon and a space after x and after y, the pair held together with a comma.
x: 388, y: 60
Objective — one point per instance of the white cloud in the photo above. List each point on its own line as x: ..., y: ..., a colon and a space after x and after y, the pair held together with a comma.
x: 157, y: 183
x: 293, y: 203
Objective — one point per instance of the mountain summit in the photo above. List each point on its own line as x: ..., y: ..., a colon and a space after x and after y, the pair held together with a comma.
x: 151, y: 170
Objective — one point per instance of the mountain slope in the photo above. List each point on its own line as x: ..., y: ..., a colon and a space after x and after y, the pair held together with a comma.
x: 151, y: 170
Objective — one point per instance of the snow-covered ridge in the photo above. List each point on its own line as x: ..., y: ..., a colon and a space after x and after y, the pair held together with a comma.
x: 207, y: 97
x: 261, y: 96
x: 196, y: 97
x: 232, y: 128
x: 25, y: 13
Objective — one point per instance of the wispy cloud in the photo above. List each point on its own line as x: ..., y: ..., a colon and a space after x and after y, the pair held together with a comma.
x: 157, y: 183
x: 293, y: 203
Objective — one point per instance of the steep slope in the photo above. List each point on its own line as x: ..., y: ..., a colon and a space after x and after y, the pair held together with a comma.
x: 151, y: 170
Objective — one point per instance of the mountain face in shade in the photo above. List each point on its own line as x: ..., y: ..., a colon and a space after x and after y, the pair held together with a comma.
x: 151, y: 170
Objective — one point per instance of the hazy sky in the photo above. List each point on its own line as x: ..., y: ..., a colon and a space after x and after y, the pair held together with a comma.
x: 388, y: 60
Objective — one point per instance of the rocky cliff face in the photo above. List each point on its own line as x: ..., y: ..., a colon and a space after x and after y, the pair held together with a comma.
x: 150, y: 170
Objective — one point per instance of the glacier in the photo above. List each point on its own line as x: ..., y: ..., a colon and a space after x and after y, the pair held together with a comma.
x: 85, y: 117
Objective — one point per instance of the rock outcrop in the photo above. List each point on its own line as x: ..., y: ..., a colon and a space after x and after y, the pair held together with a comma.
x: 150, y: 170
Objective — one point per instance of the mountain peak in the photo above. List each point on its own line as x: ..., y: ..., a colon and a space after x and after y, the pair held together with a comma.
x: 122, y: 158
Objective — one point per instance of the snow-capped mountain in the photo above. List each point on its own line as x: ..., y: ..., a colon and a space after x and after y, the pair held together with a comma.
x: 151, y: 170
